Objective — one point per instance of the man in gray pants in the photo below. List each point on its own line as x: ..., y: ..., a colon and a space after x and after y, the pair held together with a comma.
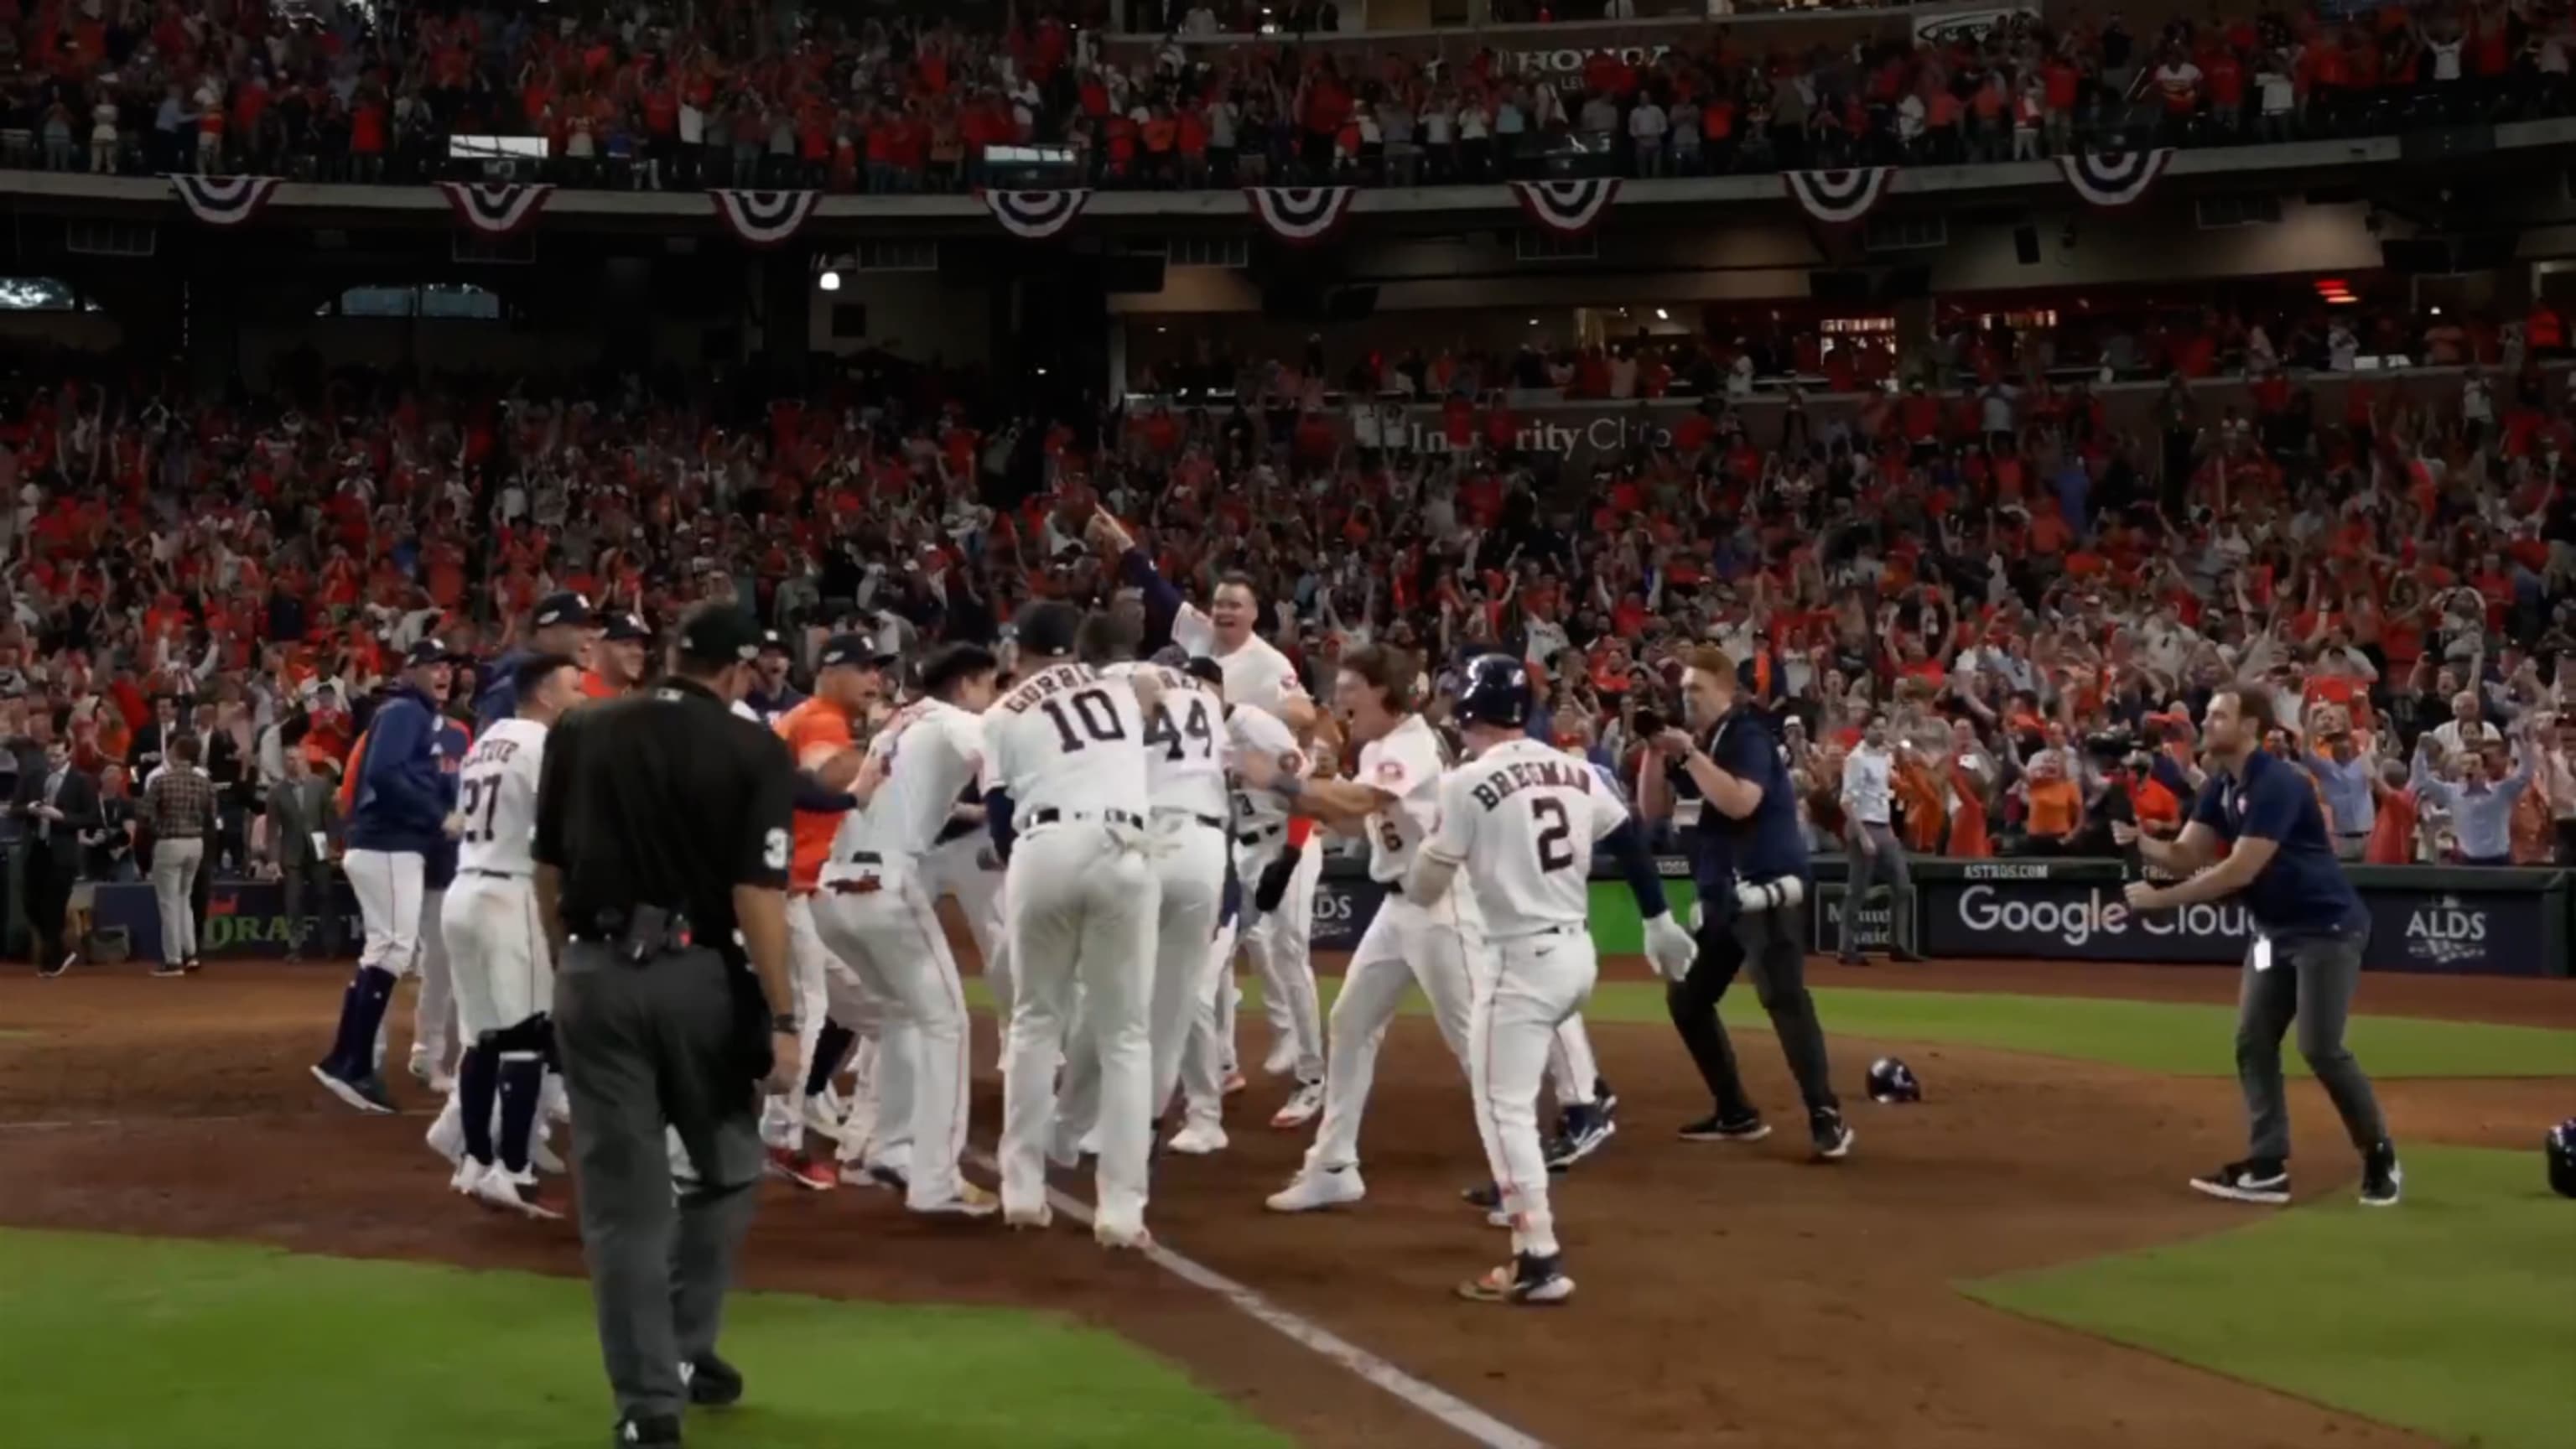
x: 303, y: 812
x: 662, y: 838
x: 2306, y: 957
x: 1869, y: 797
x: 179, y: 805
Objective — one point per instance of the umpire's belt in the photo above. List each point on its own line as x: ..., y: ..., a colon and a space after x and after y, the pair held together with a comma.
x: 1262, y: 836
x: 1175, y: 812
x: 1052, y: 816
x: 636, y: 933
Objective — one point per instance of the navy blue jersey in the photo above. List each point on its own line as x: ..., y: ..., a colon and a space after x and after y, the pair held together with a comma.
x: 2302, y: 891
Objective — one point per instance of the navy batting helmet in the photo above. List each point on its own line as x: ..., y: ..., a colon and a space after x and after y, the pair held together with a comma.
x: 1891, y: 1080
x: 2562, y: 1158
x: 1497, y: 692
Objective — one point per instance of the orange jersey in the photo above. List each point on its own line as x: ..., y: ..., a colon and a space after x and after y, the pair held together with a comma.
x: 815, y: 728
x: 594, y: 687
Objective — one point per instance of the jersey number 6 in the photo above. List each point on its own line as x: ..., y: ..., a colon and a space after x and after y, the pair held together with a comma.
x: 1092, y: 710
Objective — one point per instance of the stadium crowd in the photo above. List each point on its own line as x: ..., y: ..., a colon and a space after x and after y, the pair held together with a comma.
x: 731, y: 95
x: 2036, y: 603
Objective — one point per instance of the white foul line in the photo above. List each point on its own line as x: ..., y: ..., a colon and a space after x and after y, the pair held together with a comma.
x: 1468, y: 1420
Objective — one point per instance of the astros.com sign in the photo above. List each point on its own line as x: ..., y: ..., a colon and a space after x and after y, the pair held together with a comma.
x: 2075, y: 921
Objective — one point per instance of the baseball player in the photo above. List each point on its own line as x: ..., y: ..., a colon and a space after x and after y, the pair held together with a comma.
x: 1065, y: 763
x: 621, y: 659
x: 1392, y: 801
x: 560, y: 624
x: 1277, y: 872
x: 1185, y: 768
x: 962, y: 866
x: 504, y: 981
x: 401, y: 790
x: 874, y: 911
x: 1522, y: 819
x: 822, y: 735
x: 433, y: 1011
x: 1207, y: 1074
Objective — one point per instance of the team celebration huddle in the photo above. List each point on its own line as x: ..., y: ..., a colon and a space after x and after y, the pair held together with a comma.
x: 1113, y: 830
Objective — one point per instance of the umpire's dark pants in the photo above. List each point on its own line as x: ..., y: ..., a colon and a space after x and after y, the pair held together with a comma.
x: 1770, y: 945
x: 2309, y: 981
x: 644, y: 1047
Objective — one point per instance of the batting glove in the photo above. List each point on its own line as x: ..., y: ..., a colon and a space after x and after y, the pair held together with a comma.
x: 1670, y: 947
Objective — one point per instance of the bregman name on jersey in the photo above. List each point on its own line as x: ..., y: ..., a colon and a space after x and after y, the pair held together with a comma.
x: 1511, y: 777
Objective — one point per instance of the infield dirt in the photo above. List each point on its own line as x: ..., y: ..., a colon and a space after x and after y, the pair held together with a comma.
x: 1729, y: 1295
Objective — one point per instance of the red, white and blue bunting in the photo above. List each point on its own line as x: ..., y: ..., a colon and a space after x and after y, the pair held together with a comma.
x: 1838, y: 198
x: 497, y: 210
x: 2114, y: 178
x: 1300, y: 215
x: 1036, y: 215
x: 764, y: 218
x: 1567, y: 208
x: 224, y: 200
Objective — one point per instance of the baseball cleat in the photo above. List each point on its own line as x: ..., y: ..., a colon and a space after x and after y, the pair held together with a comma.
x: 1319, y: 1187
x: 446, y: 1134
x: 801, y: 1170
x: 711, y: 1382
x: 1198, y: 1139
x: 970, y: 1202
x: 1300, y: 1108
x: 1484, y: 1196
x: 1028, y: 1217
x: 1585, y: 1131
x: 468, y: 1174
x: 1604, y: 1098
x: 1234, y: 1082
x: 2382, y: 1180
x: 1747, y: 1128
x: 647, y: 1429
x: 826, y: 1114
x: 2263, y: 1180
x: 1127, y: 1238
x: 1282, y: 1059
x: 499, y: 1188
x: 366, y: 1093
x: 171, y: 968
x: 1527, y: 1279
x: 1833, y: 1136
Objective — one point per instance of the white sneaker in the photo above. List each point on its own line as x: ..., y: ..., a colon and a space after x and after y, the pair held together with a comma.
x: 446, y: 1135
x: 468, y: 1173
x: 500, y: 1189
x: 1301, y: 1106
x: 1198, y: 1139
x: 543, y: 1157
x: 1131, y: 1237
x: 970, y: 1202
x: 1319, y: 1187
x: 1036, y: 1217
x: 1283, y: 1057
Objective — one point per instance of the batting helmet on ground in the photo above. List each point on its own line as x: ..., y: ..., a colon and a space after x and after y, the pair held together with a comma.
x: 1497, y: 692
x: 1891, y: 1080
x: 2562, y: 1158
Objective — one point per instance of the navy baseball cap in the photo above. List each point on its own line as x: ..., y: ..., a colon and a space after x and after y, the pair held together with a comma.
x: 770, y: 640
x: 719, y: 633
x: 563, y: 608
x: 857, y: 651
x: 427, y: 652
x: 626, y: 626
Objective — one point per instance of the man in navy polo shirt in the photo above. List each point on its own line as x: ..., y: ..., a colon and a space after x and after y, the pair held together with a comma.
x: 2257, y: 830
x: 1749, y: 865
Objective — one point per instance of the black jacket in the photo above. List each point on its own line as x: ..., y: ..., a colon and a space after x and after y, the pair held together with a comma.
x: 77, y: 799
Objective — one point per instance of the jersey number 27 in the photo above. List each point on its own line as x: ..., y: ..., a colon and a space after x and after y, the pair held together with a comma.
x: 482, y: 797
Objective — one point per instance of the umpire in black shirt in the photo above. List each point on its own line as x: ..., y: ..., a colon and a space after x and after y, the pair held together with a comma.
x: 662, y: 831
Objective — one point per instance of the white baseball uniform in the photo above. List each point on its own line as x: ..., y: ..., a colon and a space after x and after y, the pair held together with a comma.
x: 1519, y: 821
x: 965, y: 869
x: 496, y: 944
x: 1185, y: 771
x: 873, y: 909
x: 1258, y: 675
x: 1257, y: 816
x: 1440, y: 945
x: 1068, y: 746
x: 878, y: 1124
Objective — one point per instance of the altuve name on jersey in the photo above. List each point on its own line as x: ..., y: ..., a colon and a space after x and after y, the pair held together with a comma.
x: 1511, y: 777
x: 491, y: 750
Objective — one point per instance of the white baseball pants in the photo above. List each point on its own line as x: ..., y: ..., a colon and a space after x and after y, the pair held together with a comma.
x: 388, y: 886
x: 1189, y: 865
x: 960, y: 871
x: 1440, y: 946
x: 1571, y: 1067
x: 434, y: 1011
x: 1538, y: 982
x: 1209, y: 1052
x: 890, y: 935
x: 823, y: 983
x: 1278, y: 943
x: 1083, y: 912
x: 496, y: 952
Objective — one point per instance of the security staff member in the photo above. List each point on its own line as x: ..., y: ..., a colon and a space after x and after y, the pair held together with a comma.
x: 662, y: 831
x: 1749, y: 863
x: 2310, y: 927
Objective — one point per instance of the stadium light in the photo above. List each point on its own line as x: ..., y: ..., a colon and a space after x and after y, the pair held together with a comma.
x: 830, y: 281
x: 1663, y: 316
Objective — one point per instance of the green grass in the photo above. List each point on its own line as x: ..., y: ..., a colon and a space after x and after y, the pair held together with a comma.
x: 2452, y: 1314
x: 2155, y: 1036
x: 107, y: 1342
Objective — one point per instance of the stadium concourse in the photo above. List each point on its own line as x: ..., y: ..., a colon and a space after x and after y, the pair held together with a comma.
x: 635, y: 98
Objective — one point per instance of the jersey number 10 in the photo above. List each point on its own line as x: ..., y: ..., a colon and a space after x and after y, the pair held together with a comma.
x: 1089, y: 708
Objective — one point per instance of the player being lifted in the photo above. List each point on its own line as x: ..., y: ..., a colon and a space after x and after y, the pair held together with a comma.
x: 1521, y: 819
x: 1065, y: 763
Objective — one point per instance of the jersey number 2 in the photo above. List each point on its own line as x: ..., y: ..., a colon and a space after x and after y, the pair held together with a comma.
x: 1092, y: 710
x: 1555, y: 834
